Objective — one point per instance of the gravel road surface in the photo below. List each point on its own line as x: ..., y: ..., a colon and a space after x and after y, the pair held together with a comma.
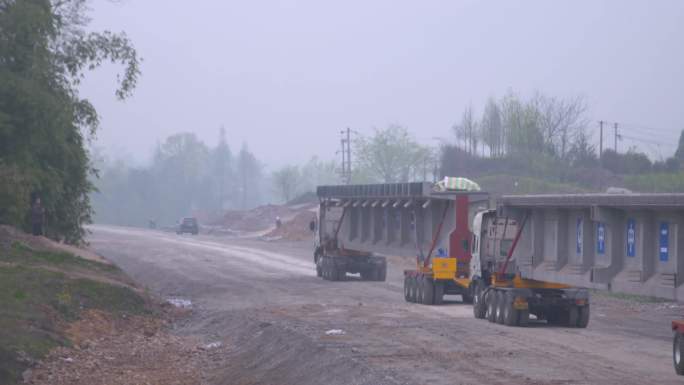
x: 263, y: 301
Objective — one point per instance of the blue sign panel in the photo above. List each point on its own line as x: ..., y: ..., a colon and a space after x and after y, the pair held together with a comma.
x: 580, y: 235
x: 664, y: 243
x: 601, y: 238
x: 631, y: 237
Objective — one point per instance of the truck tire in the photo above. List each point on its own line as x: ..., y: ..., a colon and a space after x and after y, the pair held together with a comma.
x: 375, y: 273
x: 510, y: 314
x: 382, y: 272
x: 573, y: 316
x: 439, y: 293
x: 479, y: 308
x: 419, y: 289
x: 332, y: 271
x: 500, y: 306
x: 319, y: 267
x: 413, y: 289
x: 407, y: 288
x: 583, y: 319
x: 365, y: 275
x: 490, y: 301
x: 677, y: 353
x: 339, y: 274
x: 428, y: 291
x: 467, y: 296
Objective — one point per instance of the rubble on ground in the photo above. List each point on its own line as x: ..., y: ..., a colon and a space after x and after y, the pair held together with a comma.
x: 296, y: 229
x: 257, y: 219
x: 113, y: 350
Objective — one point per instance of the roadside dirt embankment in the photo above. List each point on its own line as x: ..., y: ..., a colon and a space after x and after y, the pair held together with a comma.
x: 78, y: 319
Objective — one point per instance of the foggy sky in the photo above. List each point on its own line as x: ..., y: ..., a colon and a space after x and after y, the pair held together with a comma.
x: 286, y: 76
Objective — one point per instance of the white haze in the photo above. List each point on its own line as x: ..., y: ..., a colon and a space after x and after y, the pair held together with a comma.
x: 286, y: 76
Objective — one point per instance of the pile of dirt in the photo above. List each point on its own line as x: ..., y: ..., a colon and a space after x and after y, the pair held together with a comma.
x: 296, y: 229
x: 130, y: 350
x: 257, y: 219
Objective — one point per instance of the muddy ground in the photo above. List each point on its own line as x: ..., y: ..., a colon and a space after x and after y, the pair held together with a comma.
x: 264, y: 304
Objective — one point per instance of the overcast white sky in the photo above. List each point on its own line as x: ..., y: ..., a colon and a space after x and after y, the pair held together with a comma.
x: 286, y: 76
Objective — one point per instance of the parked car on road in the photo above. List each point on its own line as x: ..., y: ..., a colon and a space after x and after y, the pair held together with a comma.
x: 188, y: 225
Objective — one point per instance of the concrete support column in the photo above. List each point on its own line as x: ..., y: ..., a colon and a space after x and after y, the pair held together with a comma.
x: 612, y: 223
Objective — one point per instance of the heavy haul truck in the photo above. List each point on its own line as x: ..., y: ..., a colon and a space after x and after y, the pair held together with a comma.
x: 460, y: 246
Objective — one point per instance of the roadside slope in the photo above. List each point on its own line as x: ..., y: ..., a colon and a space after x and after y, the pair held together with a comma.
x: 65, y: 319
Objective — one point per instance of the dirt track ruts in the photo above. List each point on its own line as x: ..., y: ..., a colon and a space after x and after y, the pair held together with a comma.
x: 263, y: 300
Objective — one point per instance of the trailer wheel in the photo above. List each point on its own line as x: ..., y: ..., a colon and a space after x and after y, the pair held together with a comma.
x: 439, y: 293
x: 413, y: 289
x: 510, y: 315
x: 382, y: 272
x: 479, y: 308
x: 341, y: 274
x: 500, y: 306
x: 407, y: 288
x: 332, y: 272
x: 583, y: 319
x: 374, y: 273
x: 319, y: 268
x: 490, y: 300
x: 573, y: 316
x: 428, y: 291
x: 365, y: 275
x: 467, y: 296
x: 419, y: 289
x: 677, y: 350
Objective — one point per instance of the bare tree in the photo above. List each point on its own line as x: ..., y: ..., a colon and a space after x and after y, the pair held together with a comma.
x: 469, y: 129
x: 491, y: 128
x: 559, y: 120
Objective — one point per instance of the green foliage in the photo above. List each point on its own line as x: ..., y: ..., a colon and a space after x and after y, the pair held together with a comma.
x: 679, y: 154
x: 286, y: 181
x: 44, y: 53
x: 631, y: 162
x: 392, y: 155
x: 36, y: 299
x: 186, y: 177
x: 660, y: 182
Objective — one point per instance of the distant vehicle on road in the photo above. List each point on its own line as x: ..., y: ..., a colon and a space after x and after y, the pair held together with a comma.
x: 188, y: 225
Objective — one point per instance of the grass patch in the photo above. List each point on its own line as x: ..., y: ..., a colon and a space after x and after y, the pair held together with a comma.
x: 36, y: 302
x: 506, y: 184
x: 19, y: 252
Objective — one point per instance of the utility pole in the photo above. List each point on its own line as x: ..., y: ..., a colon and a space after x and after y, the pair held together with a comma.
x: 601, y: 140
x: 345, y: 170
x: 349, y: 172
x: 616, y: 136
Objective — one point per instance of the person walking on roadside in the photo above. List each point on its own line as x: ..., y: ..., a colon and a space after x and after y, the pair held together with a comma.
x: 37, y: 217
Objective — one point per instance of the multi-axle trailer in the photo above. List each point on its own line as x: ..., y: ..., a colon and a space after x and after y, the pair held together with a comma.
x: 460, y: 246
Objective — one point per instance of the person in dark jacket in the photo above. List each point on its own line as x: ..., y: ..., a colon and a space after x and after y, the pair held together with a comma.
x: 37, y: 217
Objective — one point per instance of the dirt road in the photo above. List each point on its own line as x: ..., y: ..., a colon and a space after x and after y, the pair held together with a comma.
x: 263, y: 301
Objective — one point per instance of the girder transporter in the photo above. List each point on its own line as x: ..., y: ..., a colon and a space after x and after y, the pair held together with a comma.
x: 460, y: 246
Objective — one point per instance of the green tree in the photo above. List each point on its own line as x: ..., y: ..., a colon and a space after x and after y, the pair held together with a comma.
x: 317, y: 172
x: 679, y: 154
x: 222, y: 171
x: 287, y: 181
x: 45, y: 51
x: 389, y: 155
x: 491, y: 128
x: 249, y: 172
